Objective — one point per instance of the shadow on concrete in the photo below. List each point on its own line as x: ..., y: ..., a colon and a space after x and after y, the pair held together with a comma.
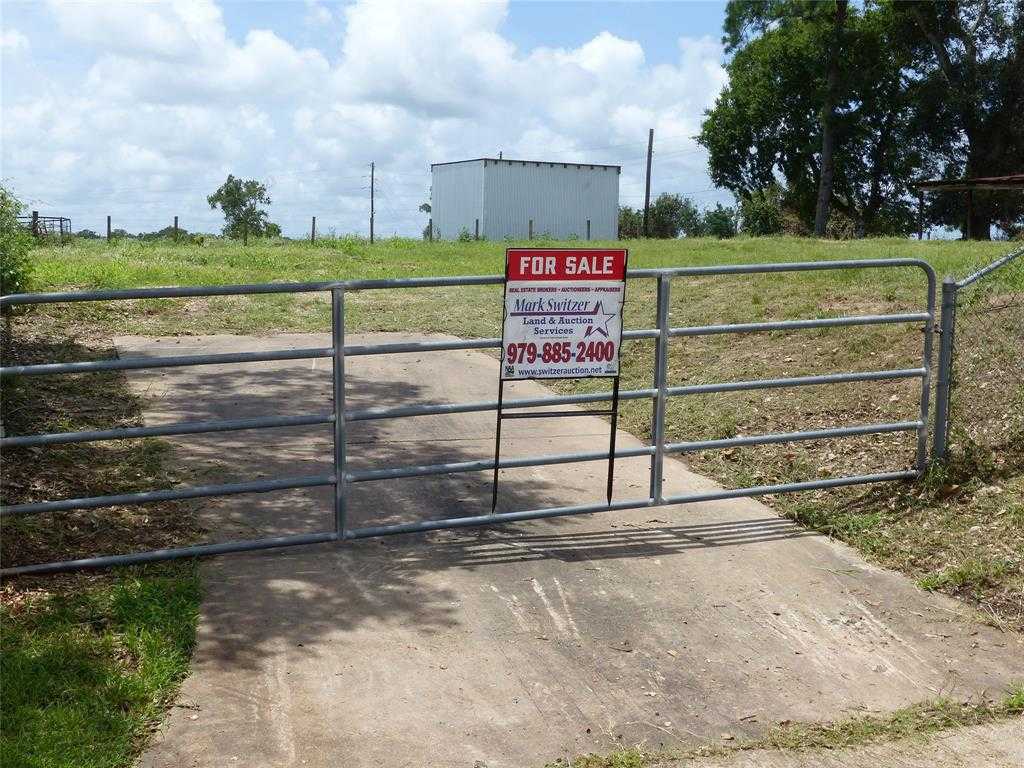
x: 296, y: 596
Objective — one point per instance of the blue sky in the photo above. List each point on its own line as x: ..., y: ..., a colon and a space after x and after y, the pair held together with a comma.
x: 140, y: 110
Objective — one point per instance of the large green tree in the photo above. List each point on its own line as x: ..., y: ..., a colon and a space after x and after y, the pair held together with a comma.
x: 241, y: 202
x: 816, y: 104
x: 845, y: 105
x: 968, y: 69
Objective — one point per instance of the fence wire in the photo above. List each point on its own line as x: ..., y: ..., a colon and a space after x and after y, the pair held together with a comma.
x: 986, y: 408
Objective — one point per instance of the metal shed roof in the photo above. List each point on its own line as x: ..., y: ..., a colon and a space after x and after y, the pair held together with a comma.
x: 549, y: 163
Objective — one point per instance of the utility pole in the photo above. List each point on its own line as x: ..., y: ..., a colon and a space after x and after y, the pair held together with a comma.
x: 647, y: 189
x: 371, y: 203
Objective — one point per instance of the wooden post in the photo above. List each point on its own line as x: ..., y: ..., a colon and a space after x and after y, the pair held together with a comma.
x: 312, y: 231
x: 35, y: 223
x: 647, y: 188
x: 476, y: 230
x: 530, y: 230
x: 969, y: 229
x: 245, y: 233
x: 108, y: 228
x: 175, y: 229
x: 430, y: 229
x: 588, y: 229
x: 371, y: 202
x: 920, y: 214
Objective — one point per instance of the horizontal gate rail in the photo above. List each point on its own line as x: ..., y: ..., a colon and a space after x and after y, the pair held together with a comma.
x: 173, y: 494
x: 181, y: 428
x: 423, y: 470
x: 139, y: 363
x: 787, y: 325
x: 659, y: 394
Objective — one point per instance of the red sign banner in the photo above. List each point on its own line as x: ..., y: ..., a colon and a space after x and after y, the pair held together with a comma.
x: 566, y: 264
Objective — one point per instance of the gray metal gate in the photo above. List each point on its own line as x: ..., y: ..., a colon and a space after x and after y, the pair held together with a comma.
x: 341, y: 477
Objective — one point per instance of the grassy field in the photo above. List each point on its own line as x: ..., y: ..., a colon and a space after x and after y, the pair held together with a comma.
x: 961, y: 533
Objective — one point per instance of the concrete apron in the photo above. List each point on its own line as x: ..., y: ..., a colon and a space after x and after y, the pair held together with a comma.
x: 518, y: 644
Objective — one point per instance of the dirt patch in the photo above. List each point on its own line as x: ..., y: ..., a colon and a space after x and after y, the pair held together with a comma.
x: 65, y: 403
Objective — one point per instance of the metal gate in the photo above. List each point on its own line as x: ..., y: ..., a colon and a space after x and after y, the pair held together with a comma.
x: 341, y: 477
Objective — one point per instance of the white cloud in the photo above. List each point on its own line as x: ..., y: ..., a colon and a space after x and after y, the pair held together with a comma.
x: 12, y: 42
x: 317, y: 15
x: 171, y: 102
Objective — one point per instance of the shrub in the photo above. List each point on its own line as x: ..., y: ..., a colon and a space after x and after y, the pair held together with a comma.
x: 720, y: 222
x: 762, y: 211
x: 840, y: 226
x: 15, y: 244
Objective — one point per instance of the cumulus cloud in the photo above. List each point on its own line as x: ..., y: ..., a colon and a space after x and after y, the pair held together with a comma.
x: 171, y: 101
x: 12, y: 42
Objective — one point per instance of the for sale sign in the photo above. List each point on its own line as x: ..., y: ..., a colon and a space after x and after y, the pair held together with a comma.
x: 563, y: 313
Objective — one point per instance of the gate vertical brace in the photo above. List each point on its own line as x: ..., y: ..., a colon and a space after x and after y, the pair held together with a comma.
x: 338, y: 342
x: 943, y: 387
x: 926, y: 380
x: 661, y: 385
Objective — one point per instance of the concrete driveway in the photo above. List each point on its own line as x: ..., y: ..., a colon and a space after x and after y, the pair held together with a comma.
x: 519, y: 644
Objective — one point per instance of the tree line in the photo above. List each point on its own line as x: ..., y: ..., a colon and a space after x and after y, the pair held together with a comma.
x: 833, y: 109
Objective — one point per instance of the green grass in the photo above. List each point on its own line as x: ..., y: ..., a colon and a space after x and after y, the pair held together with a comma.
x: 87, y: 673
x: 90, y: 660
x: 916, y: 721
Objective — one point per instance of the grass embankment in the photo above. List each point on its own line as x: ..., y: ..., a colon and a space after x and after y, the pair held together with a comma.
x: 917, y: 721
x: 90, y: 661
x: 962, y: 534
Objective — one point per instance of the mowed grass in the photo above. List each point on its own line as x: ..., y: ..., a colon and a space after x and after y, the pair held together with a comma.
x: 88, y: 670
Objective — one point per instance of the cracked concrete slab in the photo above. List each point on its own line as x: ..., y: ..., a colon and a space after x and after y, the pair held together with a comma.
x: 518, y: 644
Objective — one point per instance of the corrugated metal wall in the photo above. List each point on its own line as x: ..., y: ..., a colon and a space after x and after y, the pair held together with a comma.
x: 507, y: 194
x: 456, y: 198
x: 559, y: 199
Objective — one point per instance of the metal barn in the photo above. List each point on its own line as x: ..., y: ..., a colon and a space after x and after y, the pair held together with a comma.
x: 496, y: 199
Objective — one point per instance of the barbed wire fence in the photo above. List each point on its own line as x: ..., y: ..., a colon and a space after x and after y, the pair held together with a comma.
x: 980, y: 389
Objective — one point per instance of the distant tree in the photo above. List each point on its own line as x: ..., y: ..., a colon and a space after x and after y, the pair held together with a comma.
x: 240, y: 202
x: 630, y: 222
x: 665, y: 218
x: 720, y: 222
x: 87, y: 234
x: 119, y: 234
x: 425, y: 207
x: 691, y: 220
x: 761, y: 211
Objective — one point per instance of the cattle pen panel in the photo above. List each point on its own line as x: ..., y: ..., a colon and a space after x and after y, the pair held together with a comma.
x: 341, y: 478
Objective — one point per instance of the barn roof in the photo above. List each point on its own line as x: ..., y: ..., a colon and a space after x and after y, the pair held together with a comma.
x: 528, y: 162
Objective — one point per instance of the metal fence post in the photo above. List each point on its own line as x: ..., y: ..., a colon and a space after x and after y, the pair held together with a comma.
x: 338, y: 342
x: 661, y: 385
x: 943, y: 386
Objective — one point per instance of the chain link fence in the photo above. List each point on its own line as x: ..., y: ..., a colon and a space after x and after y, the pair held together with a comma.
x: 980, y: 408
